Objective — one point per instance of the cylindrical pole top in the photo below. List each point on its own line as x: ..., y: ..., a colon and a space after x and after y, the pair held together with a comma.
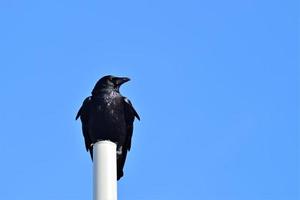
x: 105, y: 170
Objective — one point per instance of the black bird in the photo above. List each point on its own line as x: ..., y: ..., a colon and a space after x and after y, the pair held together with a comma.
x: 107, y: 115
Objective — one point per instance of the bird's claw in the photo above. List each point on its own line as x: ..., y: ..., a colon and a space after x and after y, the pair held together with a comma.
x: 119, y: 151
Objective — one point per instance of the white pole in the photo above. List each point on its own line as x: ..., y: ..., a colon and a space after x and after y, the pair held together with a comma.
x: 105, y: 170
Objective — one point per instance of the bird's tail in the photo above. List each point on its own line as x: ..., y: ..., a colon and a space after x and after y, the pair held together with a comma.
x: 120, y: 163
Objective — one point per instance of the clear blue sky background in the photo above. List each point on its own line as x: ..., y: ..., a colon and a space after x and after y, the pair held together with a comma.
x: 216, y: 84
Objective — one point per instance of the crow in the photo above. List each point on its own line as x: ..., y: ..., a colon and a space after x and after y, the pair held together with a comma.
x: 107, y: 115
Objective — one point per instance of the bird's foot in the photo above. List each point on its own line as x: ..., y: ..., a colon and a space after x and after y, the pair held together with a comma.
x: 119, y: 151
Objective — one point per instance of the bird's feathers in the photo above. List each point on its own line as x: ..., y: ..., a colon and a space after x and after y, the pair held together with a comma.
x: 107, y: 115
x: 130, y: 113
x: 83, y: 113
x: 131, y: 108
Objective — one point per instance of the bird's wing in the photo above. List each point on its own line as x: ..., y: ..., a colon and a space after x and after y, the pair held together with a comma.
x: 130, y: 114
x: 83, y: 113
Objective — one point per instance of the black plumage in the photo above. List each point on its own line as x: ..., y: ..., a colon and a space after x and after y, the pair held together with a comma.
x: 107, y: 115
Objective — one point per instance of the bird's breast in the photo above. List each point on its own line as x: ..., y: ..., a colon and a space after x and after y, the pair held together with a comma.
x: 110, y: 106
x: 107, y: 118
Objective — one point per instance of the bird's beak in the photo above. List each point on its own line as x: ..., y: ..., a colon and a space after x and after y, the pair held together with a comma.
x: 122, y: 80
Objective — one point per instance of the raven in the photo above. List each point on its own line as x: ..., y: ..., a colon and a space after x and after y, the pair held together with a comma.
x: 107, y: 115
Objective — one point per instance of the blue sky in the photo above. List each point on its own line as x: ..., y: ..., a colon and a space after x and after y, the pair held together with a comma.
x: 216, y: 84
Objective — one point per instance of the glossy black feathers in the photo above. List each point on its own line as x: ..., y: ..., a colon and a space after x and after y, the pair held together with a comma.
x: 107, y: 115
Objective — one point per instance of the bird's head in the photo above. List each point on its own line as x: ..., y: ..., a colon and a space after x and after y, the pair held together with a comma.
x: 109, y: 82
